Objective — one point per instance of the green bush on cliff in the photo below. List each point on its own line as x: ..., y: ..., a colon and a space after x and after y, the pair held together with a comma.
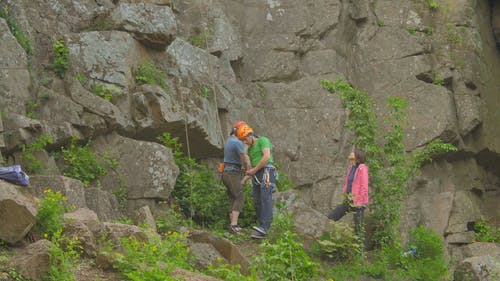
x: 33, y: 165
x: 149, y: 73
x: 391, y: 168
x: 82, y: 163
x: 61, y: 52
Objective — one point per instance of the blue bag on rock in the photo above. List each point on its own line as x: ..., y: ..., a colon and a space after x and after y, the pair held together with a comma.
x: 15, y: 175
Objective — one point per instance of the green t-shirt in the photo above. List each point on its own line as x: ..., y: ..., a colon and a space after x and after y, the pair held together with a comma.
x: 255, y: 151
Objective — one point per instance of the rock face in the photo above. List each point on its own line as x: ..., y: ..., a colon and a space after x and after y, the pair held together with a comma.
x: 145, y: 169
x: 260, y: 61
x: 17, y: 212
x: 151, y: 24
x: 33, y: 262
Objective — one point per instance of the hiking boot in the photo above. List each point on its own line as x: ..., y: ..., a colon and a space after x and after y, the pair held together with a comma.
x: 258, y: 235
x: 260, y: 230
x: 235, y: 229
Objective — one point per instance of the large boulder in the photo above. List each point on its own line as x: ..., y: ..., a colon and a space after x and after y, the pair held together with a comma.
x: 144, y: 217
x: 479, y: 268
x: 103, y: 203
x: 33, y: 262
x: 77, y: 230
x: 70, y: 188
x: 144, y: 169
x: 307, y: 221
x: 18, y: 212
x: 87, y: 217
x: 151, y: 24
x: 106, y: 57
x: 223, y: 247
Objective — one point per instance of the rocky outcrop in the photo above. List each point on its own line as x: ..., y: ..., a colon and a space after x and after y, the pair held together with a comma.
x: 33, y: 262
x: 103, y: 203
x: 70, y: 188
x: 151, y: 24
x: 482, y: 268
x: 14, y: 74
x: 143, y: 169
x: 18, y: 212
x: 144, y: 217
x: 208, y: 247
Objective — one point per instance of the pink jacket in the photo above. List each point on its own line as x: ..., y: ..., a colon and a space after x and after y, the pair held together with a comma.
x: 359, y: 185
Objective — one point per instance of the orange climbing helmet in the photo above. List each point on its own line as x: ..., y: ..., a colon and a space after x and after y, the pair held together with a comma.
x: 243, y: 131
x: 236, y: 125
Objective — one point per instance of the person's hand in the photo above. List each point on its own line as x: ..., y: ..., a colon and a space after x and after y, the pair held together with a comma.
x: 251, y: 172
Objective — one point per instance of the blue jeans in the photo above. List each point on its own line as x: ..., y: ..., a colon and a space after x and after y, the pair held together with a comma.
x: 263, y: 195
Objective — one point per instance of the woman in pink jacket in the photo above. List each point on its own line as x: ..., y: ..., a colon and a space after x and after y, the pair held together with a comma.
x: 355, y: 190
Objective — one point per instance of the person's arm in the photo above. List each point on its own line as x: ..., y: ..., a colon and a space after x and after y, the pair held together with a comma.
x: 266, y: 155
x: 244, y: 162
x: 363, y: 187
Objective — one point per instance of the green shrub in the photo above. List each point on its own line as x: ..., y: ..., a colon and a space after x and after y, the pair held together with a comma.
x: 484, y: 232
x: 61, y: 53
x: 51, y: 209
x: 433, y: 5
x: 31, y: 108
x: 153, y: 260
x: 63, y: 257
x: 429, y: 262
x: 228, y: 272
x: 82, y: 163
x: 34, y: 165
x: 340, y: 243
x: 391, y: 168
x: 106, y: 92
x: 282, y: 256
x: 200, y: 40
x: 149, y: 73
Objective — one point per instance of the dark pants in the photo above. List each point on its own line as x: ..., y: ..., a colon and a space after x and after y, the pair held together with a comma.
x: 263, y: 195
x: 342, y: 209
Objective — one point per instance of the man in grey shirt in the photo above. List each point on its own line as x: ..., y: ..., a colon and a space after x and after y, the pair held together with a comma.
x: 235, y: 164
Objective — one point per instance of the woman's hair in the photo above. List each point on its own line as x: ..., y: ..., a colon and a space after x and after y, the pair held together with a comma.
x: 360, y: 155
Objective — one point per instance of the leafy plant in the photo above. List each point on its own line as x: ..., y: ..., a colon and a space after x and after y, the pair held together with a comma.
x: 228, y: 272
x: 83, y: 164
x: 340, y: 243
x: 205, y: 91
x: 34, y: 165
x: 106, y: 92
x: 411, y: 29
x: 380, y: 23
x: 63, y: 256
x: 199, y: 195
x: 46, y: 81
x: 45, y: 95
x: 282, y: 257
x: 51, y: 209
x: 200, y: 40
x: 390, y: 167
x: 16, y: 276
x: 433, y: 5
x: 485, y: 233
x: 31, y: 108
x: 149, y: 73
x: 61, y: 53
x: 154, y: 259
